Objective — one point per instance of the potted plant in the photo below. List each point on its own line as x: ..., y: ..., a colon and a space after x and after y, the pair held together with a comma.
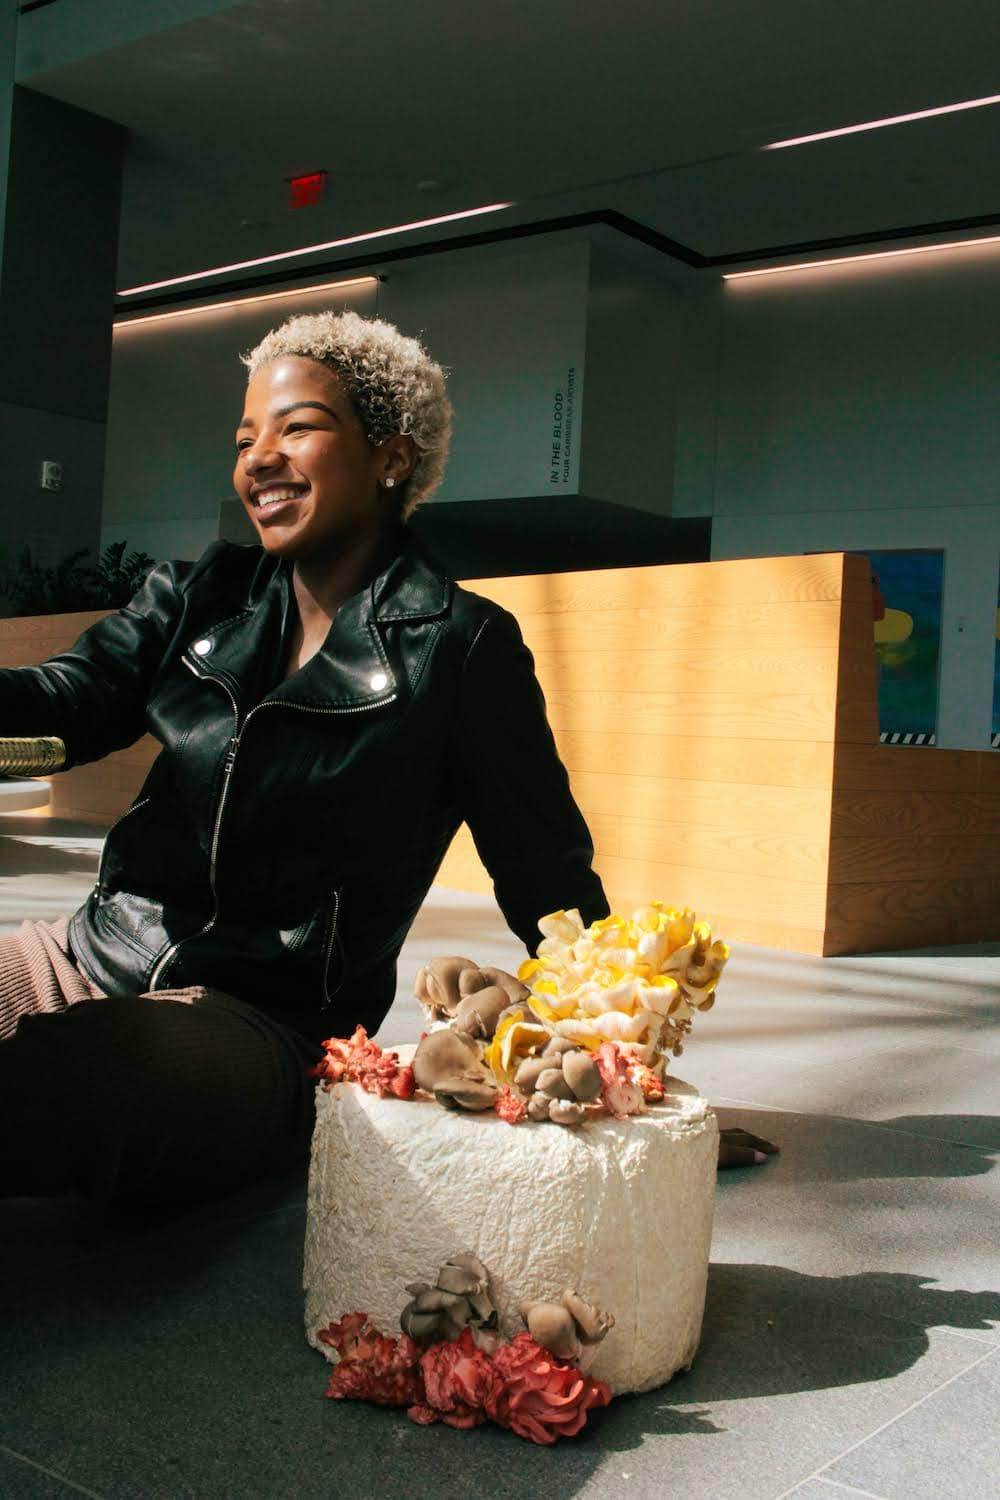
x: 73, y: 585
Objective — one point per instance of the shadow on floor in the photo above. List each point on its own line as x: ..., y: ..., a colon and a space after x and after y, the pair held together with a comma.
x: 901, y: 1147
x: 18, y: 858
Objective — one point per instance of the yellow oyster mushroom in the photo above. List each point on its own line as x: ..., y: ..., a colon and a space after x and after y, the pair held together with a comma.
x: 552, y: 950
x: 651, y: 918
x: 562, y: 926
x: 680, y: 928
x: 548, y: 1014
x: 545, y: 987
x: 607, y: 924
x: 619, y: 958
x: 515, y: 1038
x: 709, y: 970
x: 613, y: 1026
x: 659, y: 996
x: 654, y: 947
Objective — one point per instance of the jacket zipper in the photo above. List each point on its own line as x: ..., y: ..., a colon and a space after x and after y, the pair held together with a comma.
x: 227, y: 772
x: 327, y: 999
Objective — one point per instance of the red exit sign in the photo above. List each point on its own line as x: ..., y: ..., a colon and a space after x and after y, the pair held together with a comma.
x: 307, y: 189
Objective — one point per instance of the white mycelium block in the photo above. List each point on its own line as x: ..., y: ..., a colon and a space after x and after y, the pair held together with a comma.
x: 618, y: 1210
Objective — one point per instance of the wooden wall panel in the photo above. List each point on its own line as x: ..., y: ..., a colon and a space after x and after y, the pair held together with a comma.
x: 795, y: 763
x: 912, y: 768
x: 707, y: 804
x: 735, y: 716
x: 740, y: 581
x: 696, y: 710
x: 701, y: 669
x: 722, y: 627
x: 719, y: 725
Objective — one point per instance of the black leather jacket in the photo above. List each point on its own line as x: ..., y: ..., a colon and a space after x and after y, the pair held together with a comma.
x: 289, y: 830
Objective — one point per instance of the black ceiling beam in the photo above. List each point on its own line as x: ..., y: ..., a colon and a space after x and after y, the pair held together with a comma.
x: 866, y: 237
x: 608, y: 217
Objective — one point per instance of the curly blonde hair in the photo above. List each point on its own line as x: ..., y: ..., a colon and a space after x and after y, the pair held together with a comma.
x: 390, y: 379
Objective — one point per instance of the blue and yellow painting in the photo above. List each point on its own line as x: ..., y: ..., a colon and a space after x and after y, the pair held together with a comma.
x: 906, y: 592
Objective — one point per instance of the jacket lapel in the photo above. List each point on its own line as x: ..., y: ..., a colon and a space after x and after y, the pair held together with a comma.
x: 352, y: 670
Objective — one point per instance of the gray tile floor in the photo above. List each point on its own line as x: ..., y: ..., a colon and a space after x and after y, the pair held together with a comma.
x: 851, y: 1334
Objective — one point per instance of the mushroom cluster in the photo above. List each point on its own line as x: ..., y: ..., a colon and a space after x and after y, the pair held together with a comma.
x: 479, y: 1015
x: 458, y: 992
x: 636, y: 981
x: 558, y: 1081
x: 570, y: 1329
x: 465, y: 1003
x: 460, y: 1298
x: 606, y: 1003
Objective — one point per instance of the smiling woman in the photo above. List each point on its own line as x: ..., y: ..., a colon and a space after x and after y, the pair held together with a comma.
x: 322, y: 705
x: 318, y: 493
x: 345, y: 429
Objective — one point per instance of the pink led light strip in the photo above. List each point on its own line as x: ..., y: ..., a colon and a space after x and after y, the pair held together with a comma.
x: 294, y: 291
x: 352, y: 239
x: 919, y: 114
x: 851, y: 260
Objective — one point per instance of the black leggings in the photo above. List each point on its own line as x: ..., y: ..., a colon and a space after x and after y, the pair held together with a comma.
x: 153, y: 1102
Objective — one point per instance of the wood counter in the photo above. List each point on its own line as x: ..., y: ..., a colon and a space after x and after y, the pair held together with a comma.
x: 719, y: 723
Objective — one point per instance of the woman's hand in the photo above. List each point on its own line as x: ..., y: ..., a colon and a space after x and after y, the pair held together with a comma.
x: 738, y: 1148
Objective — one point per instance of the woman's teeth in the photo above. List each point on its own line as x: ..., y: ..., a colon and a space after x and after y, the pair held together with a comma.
x: 275, y: 497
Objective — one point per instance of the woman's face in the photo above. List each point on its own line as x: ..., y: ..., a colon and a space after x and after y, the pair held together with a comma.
x: 311, y: 483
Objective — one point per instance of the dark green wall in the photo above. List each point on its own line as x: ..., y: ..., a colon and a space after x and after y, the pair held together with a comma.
x: 61, y: 192
x: 57, y: 280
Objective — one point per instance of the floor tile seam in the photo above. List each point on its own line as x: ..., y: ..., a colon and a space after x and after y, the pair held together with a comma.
x: 890, y: 1422
x: 32, y: 1464
x: 848, y: 1489
x: 726, y: 1100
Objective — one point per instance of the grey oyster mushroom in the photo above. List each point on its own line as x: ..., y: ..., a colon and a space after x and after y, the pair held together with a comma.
x: 461, y: 1299
x: 449, y: 1064
x: 466, y: 1093
x: 592, y: 1323
x: 434, y: 1315
x: 552, y: 1081
x: 566, y: 1112
x: 559, y: 1044
x: 558, y: 1082
x: 436, y: 986
x: 582, y: 1074
x: 570, y: 1329
x: 474, y: 979
x: 465, y: 1274
x: 526, y: 1076
x: 479, y: 1011
x: 553, y: 1328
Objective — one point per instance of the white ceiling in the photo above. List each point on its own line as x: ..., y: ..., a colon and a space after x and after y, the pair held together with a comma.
x: 654, y: 108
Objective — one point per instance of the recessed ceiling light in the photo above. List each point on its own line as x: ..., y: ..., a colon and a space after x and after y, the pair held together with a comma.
x: 919, y: 114
x: 351, y: 239
x: 851, y: 260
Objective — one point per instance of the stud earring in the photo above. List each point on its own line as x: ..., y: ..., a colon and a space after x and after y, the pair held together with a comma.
x: 390, y: 482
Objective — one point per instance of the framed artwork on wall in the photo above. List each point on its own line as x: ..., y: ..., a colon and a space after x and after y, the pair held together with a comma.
x: 906, y: 604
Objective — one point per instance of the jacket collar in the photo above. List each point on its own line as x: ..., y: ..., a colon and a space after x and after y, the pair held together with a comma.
x: 352, y: 670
